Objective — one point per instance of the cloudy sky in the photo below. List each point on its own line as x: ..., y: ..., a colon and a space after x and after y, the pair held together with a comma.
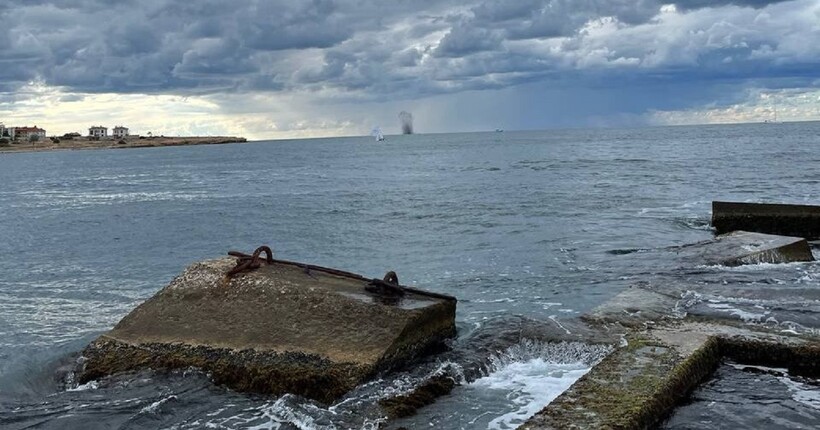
x: 287, y: 68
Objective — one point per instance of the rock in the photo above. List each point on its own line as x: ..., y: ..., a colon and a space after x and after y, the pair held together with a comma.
x: 788, y: 220
x: 282, y: 328
x: 743, y: 247
x: 425, y: 394
x: 636, y: 306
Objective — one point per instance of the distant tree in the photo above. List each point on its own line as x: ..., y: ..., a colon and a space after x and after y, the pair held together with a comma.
x: 34, y: 138
x: 4, y: 142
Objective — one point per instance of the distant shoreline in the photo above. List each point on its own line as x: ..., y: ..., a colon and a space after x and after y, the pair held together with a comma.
x: 83, y: 143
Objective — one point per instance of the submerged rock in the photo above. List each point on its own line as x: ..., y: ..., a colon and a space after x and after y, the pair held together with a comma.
x: 283, y: 328
x: 743, y: 247
x: 790, y: 220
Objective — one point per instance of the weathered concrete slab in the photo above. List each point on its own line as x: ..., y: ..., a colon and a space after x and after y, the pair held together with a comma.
x: 639, y: 384
x: 788, y: 220
x: 284, y: 327
x: 634, y: 386
x: 788, y: 309
x: 743, y: 247
x: 636, y: 307
x: 675, y: 334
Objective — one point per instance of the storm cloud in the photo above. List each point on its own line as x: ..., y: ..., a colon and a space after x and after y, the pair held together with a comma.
x: 373, y: 50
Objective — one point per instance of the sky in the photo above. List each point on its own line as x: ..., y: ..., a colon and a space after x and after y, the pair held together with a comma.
x: 270, y: 69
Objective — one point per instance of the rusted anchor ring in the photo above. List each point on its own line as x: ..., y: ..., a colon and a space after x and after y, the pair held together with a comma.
x: 250, y: 262
x: 391, y: 277
x: 386, y: 287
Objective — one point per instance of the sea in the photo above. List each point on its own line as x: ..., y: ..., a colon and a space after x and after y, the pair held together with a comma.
x: 527, y: 226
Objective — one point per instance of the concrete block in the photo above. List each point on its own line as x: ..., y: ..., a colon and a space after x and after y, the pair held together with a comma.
x: 743, y: 247
x: 788, y: 220
x: 282, y: 328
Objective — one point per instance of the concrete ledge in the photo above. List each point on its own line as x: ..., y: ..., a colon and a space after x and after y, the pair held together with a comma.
x: 638, y: 385
x: 788, y: 220
x: 742, y: 247
x: 636, y: 307
x: 635, y: 386
x: 799, y: 358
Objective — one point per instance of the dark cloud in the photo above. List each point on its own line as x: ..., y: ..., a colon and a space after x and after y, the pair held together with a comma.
x: 697, y: 4
x: 376, y: 49
x: 465, y: 38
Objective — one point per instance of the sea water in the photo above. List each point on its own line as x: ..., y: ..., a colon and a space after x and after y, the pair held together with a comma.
x: 542, y: 224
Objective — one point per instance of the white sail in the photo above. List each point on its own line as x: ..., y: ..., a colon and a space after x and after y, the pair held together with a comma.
x: 377, y: 133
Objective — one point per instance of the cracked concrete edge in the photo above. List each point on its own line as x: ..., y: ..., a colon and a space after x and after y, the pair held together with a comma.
x: 639, y: 384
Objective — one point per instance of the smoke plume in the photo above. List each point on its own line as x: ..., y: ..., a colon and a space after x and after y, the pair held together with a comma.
x: 406, y: 119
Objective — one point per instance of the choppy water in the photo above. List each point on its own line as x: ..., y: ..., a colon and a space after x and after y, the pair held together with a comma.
x: 750, y: 397
x: 541, y: 224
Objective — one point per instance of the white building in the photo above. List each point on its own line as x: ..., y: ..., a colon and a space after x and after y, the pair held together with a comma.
x: 2, y: 130
x: 120, y: 131
x: 98, y: 131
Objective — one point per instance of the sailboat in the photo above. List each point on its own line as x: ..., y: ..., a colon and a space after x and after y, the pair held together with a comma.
x: 377, y: 133
x: 775, y: 121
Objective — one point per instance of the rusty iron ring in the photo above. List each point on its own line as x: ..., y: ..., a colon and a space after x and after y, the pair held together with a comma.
x: 387, y: 287
x: 391, y: 277
x: 246, y: 262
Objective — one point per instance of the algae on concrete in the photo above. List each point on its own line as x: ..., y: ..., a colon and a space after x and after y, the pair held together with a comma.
x: 282, y: 328
x: 670, y: 345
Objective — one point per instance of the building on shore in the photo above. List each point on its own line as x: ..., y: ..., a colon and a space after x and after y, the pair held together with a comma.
x: 2, y: 130
x: 98, y: 131
x: 27, y: 133
x: 120, y: 131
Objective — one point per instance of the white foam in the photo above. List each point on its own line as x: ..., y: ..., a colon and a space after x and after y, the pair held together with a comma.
x: 529, y: 386
x: 91, y: 385
x: 153, y: 407
x: 740, y: 313
x: 802, y: 393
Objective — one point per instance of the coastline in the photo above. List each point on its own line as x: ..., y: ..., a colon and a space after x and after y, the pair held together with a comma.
x: 83, y: 143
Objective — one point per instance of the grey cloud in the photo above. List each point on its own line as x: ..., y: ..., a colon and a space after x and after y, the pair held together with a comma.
x: 697, y: 4
x: 465, y: 38
x: 134, y: 38
x: 299, y: 25
x: 370, y: 48
x: 529, y: 19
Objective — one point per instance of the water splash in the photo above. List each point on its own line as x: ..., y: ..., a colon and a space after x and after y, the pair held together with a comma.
x: 406, y: 119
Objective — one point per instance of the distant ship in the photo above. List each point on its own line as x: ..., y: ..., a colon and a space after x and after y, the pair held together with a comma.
x: 498, y: 130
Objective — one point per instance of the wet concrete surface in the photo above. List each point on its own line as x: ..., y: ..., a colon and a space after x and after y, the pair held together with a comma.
x: 674, y: 334
x: 281, y: 328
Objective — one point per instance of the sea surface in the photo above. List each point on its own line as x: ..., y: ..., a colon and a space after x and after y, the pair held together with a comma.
x: 540, y: 226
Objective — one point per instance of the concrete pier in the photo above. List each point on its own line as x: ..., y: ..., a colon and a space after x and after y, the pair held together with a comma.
x: 282, y: 328
x: 784, y: 219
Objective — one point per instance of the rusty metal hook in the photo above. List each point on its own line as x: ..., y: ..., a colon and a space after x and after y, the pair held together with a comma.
x: 250, y: 262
